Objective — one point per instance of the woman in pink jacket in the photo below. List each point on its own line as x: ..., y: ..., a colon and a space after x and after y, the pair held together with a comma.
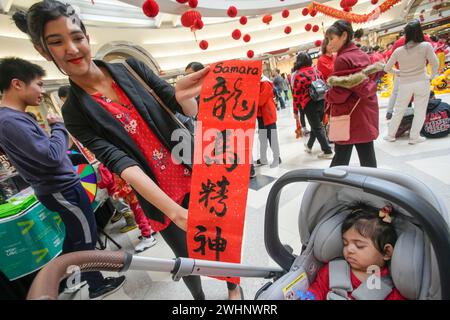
x: 351, y: 60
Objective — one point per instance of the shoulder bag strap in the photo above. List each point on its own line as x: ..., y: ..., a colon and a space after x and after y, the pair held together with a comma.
x: 356, y: 104
x: 153, y: 93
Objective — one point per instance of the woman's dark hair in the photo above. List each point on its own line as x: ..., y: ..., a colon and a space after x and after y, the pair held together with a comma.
x: 365, y: 219
x: 413, y: 32
x: 33, y: 22
x: 303, y: 60
x: 338, y: 28
x: 195, y: 66
x: 359, y: 33
x: 16, y: 68
x: 324, y: 45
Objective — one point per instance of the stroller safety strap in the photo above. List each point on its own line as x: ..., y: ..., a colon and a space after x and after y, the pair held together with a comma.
x: 340, y: 284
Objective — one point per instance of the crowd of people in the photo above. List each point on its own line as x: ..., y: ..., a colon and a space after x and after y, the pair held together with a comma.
x: 113, y: 116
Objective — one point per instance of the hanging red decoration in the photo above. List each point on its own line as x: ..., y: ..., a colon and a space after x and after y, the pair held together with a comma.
x: 243, y: 20
x: 353, y: 17
x: 182, y: 1
x: 198, y: 25
x: 287, y: 30
x: 305, y: 11
x: 308, y: 27
x: 315, y: 28
x: 188, y: 18
x: 285, y: 13
x: 150, y: 8
x: 236, y: 35
x: 347, y: 9
x: 318, y: 43
x: 313, y: 12
x: 373, y: 2
x: 203, y: 44
x: 247, y: 38
x: 232, y: 11
x: 250, y: 54
x: 267, y: 19
x: 193, y: 4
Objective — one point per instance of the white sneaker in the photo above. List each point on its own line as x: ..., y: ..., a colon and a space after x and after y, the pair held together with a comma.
x: 75, y: 288
x: 308, y: 149
x: 418, y: 140
x: 389, y: 138
x: 145, y: 244
x: 324, y: 155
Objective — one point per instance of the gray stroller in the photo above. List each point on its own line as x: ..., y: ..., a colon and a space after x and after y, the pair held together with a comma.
x: 419, y: 265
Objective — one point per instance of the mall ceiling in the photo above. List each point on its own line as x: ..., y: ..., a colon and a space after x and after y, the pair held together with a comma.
x: 174, y: 46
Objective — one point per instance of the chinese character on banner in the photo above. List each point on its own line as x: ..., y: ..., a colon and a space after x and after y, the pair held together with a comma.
x: 222, y: 157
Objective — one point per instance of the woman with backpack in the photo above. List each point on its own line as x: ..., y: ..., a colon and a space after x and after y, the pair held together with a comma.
x: 305, y: 75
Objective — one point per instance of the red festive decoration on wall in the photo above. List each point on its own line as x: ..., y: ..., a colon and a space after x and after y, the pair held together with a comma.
x: 182, y: 1
x: 287, y: 30
x: 198, y: 25
x: 236, y: 35
x: 347, y: 9
x: 373, y: 2
x: 308, y: 27
x: 250, y: 54
x: 315, y: 28
x: 285, y: 13
x: 232, y: 11
x: 353, y: 17
x: 203, y: 44
x: 193, y: 4
x: 247, y: 38
x: 305, y: 11
x: 150, y: 8
x: 313, y: 12
x: 243, y: 20
x: 318, y: 43
x: 267, y: 18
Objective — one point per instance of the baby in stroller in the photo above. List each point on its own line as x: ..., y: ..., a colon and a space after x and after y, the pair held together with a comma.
x: 368, y: 238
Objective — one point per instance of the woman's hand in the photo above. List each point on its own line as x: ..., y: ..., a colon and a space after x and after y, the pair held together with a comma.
x: 188, y: 88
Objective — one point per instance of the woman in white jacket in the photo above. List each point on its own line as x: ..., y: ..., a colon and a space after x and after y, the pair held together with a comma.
x: 414, y: 81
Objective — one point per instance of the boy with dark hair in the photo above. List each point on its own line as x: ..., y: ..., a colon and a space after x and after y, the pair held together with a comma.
x: 63, y: 92
x: 42, y: 161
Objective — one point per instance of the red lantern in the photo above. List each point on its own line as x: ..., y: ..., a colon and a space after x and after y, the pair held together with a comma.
x: 203, y: 44
x: 374, y: 2
x: 267, y: 18
x: 250, y: 54
x: 318, y: 43
x: 287, y: 30
x: 313, y: 13
x: 247, y: 38
x: 198, y: 25
x: 182, y: 1
x: 308, y: 27
x: 243, y: 20
x: 352, y: 3
x: 315, y: 28
x: 232, y: 11
x: 305, y: 11
x: 285, y: 13
x: 347, y: 9
x: 236, y: 35
x: 150, y: 8
x: 188, y: 18
x: 193, y: 4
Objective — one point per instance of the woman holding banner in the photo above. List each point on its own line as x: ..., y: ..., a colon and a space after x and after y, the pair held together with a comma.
x: 112, y: 114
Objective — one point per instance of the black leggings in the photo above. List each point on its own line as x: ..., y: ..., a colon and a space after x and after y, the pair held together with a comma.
x: 343, y: 152
x: 176, y: 239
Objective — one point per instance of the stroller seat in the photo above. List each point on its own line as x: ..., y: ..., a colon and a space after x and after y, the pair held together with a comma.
x: 413, y: 267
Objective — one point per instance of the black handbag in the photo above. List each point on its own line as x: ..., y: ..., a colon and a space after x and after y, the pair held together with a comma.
x: 318, y: 88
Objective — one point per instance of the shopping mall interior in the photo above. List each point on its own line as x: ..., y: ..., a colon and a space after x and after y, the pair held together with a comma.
x: 281, y: 212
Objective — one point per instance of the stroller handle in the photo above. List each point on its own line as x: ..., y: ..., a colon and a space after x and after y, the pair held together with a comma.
x: 429, y: 218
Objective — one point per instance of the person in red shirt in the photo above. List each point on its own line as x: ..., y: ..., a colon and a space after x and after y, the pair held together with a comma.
x: 369, y: 238
x: 267, y: 124
x: 325, y: 64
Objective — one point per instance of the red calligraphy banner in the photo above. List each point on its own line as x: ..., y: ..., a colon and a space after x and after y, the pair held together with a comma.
x: 222, y: 157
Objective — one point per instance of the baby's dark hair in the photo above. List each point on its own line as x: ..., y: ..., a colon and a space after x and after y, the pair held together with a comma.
x: 365, y: 219
x: 34, y: 20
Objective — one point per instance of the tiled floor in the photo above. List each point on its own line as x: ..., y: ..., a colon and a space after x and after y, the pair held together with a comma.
x: 429, y: 161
